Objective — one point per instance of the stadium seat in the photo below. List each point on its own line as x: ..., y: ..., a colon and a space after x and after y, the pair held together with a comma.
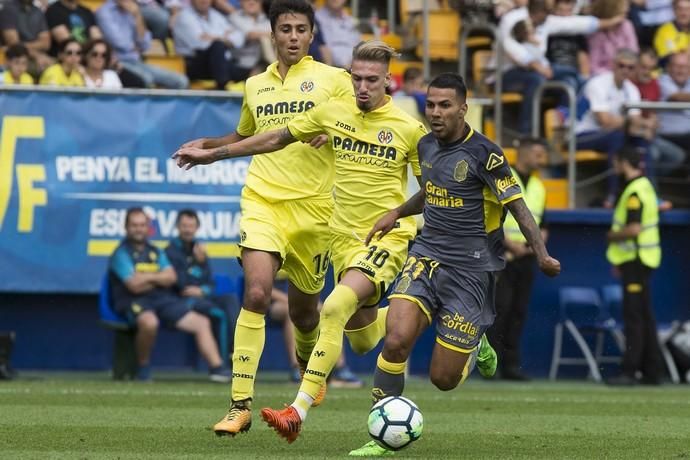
x: 124, y: 352
x: 612, y: 295
x: 581, y: 311
x: 554, y: 132
x: 481, y: 68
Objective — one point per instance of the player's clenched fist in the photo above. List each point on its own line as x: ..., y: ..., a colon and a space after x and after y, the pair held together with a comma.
x: 550, y: 266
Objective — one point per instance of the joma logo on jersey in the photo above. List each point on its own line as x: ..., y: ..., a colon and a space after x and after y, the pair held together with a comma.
x: 504, y: 184
x: 280, y: 108
x: 458, y: 323
x: 307, y: 86
x: 385, y: 136
x: 265, y: 90
x: 351, y: 145
x: 345, y: 126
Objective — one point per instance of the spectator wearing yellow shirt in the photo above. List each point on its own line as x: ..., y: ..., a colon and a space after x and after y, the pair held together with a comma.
x: 17, y: 57
x: 66, y: 72
x: 674, y: 36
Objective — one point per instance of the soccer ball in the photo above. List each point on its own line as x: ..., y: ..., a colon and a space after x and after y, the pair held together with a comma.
x: 395, y: 422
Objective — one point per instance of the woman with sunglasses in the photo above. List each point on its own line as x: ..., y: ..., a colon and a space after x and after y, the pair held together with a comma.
x: 66, y: 72
x: 96, y: 62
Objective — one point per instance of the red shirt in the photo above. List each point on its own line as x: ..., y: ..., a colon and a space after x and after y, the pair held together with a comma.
x: 649, y: 91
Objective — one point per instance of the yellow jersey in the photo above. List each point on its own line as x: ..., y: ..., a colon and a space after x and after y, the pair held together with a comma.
x: 297, y: 171
x: 669, y: 40
x: 372, y: 152
x: 55, y: 75
x: 24, y: 79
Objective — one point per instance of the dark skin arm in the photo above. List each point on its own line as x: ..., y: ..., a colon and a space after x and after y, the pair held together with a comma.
x: 547, y: 264
x: 628, y: 232
x: 413, y: 206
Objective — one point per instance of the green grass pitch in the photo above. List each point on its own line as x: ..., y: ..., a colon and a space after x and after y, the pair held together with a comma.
x: 87, y: 416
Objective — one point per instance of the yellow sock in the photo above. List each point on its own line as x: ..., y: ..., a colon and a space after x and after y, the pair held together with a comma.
x: 305, y: 341
x: 250, y: 336
x: 365, y: 339
x: 337, y: 310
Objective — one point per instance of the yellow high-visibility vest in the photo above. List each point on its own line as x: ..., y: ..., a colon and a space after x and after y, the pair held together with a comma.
x: 535, y: 198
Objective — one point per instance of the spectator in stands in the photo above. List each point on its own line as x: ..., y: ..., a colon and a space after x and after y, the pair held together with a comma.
x: 156, y: 17
x: 33, y: 33
x: 194, y: 277
x: 258, y: 48
x: 603, y: 125
x: 413, y: 89
x: 96, y: 72
x: 514, y: 284
x: 521, y: 71
x: 674, y: 36
x: 141, y: 279
x: 17, y: 61
x: 318, y: 48
x: 674, y: 125
x: 603, y: 44
x: 8, y: 25
x: 647, y: 16
x: 568, y: 54
x: 67, y: 18
x: 123, y: 27
x: 339, y: 31
x: 65, y: 72
x: 665, y: 155
x: 341, y: 376
x: 207, y: 41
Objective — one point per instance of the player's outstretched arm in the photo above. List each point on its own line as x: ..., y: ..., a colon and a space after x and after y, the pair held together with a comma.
x: 213, y: 142
x: 188, y: 157
x: 385, y: 224
x: 547, y: 264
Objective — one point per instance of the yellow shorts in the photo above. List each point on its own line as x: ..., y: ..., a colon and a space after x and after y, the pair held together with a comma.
x: 381, y: 261
x: 296, y: 230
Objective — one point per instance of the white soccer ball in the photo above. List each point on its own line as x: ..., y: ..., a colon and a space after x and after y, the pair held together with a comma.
x: 395, y: 422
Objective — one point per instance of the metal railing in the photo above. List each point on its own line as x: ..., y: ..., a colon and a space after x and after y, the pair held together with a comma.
x: 661, y: 105
x: 570, y: 125
x: 498, y: 85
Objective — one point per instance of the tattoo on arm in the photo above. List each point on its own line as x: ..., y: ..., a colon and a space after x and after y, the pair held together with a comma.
x: 528, y: 226
x: 285, y: 137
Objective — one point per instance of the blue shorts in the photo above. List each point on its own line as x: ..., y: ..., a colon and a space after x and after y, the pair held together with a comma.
x: 461, y: 301
x: 168, y: 307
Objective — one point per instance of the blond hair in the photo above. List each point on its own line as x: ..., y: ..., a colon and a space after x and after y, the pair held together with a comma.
x: 374, y: 50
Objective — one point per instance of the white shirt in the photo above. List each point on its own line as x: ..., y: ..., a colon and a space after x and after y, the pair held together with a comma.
x: 673, y: 121
x: 604, y: 96
x: 110, y: 80
x: 515, y: 52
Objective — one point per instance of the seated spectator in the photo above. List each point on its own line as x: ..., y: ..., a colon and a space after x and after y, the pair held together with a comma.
x: 339, y: 31
x: 413, y: 89
x: 68, y: 19
x: 603, y: 125
x: 523, y: 73
x: 665, y: 156
x: 207, y: 41
x: 647, y: 16
x: 257, y: 48
x: 96, y: 71
x: 123, y: 27
x: 194, y: 278
x: 341, y: 377
x: 66, y: 71
x: 318, y: 49
x: 603, y: 44
x: 568, y: 54
x: 17, y: 61
x: 33, y: 33
x: 141, y: 279
x: 8, y: 25
x: 674, y: 125
x: 674, y: 36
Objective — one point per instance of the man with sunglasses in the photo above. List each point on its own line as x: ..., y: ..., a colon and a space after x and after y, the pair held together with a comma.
x: 603, y: 125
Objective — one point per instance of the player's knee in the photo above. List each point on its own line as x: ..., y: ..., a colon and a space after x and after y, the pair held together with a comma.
x: 396, y: 347
x: 257, y: 298
x: 444, y: 381
x: 147, y: 323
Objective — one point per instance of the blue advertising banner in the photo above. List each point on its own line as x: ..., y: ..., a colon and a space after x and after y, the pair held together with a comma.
x: 72, y: 163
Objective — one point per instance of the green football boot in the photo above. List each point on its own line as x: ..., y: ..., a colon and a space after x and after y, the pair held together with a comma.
x: 371, y: 449
x: 487, y: 361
